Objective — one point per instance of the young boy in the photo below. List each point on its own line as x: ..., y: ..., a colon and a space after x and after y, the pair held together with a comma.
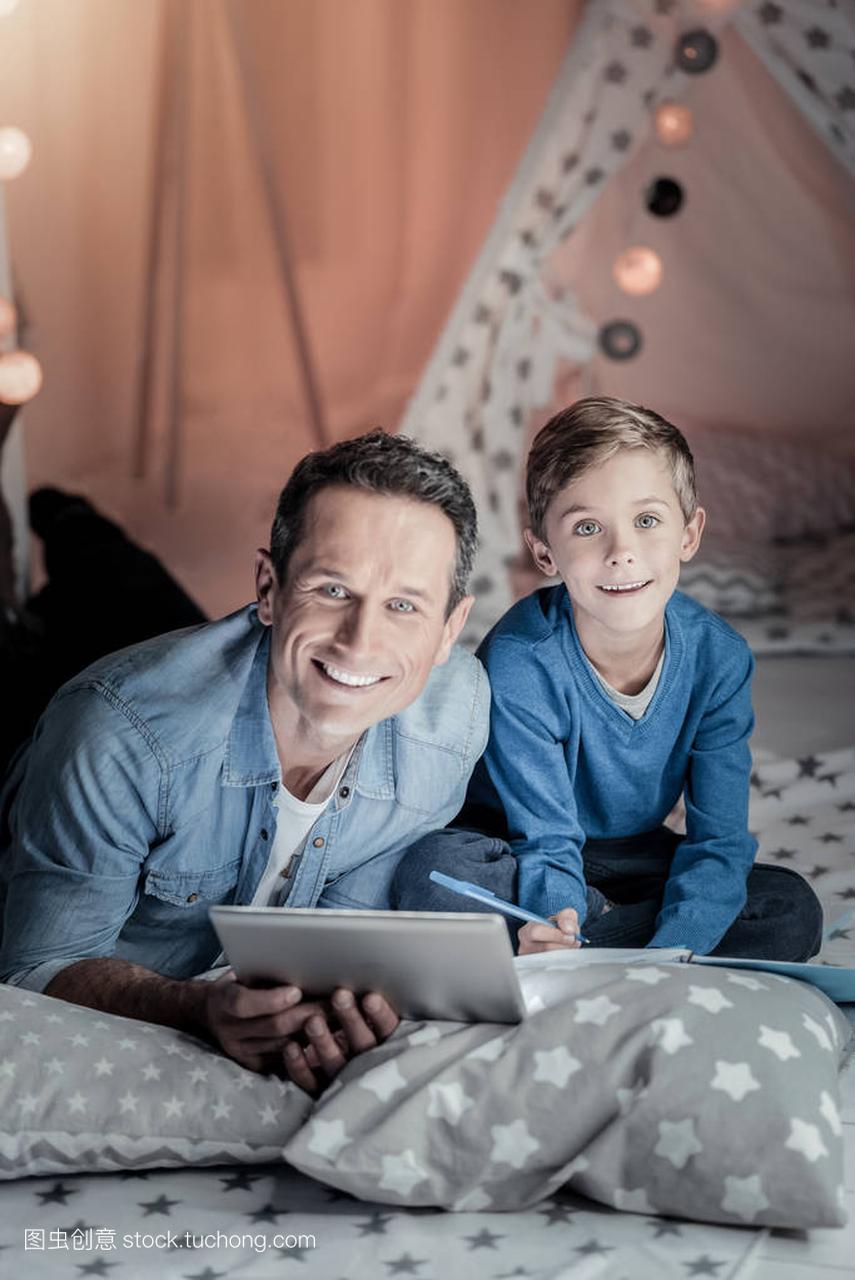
x: 613, y: 696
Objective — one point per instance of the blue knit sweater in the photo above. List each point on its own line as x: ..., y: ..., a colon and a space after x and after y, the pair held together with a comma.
x: 565, y: 763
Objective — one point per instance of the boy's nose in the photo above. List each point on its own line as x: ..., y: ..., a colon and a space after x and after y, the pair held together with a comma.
x: 621, y: 553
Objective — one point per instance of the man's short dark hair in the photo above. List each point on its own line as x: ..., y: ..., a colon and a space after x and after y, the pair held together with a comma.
x: 386, y: 464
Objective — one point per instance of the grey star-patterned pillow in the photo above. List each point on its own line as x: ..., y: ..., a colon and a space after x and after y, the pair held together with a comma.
x: 658, y: 1088
x: 88, y: 1091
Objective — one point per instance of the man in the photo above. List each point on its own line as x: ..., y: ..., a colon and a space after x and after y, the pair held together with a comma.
x: 287, y: 754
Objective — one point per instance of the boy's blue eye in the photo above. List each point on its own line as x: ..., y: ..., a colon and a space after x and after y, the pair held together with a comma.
x: 647, y: 521
x: 586, y: 528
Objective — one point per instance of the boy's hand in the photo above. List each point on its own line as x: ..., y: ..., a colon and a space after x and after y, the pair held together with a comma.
x: 539, y: 937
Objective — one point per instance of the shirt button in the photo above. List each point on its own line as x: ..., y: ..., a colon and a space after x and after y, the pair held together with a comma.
x: 344, y: 792
x: 318, y: 842
x: 264, y: 833
x: 194, y: 897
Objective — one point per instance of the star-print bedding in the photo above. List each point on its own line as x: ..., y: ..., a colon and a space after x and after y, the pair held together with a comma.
x: 802, y: 811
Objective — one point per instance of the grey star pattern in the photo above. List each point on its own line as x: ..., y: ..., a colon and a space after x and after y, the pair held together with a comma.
x: 296, y: 1255
x: 207, y: 1274
x: 808, y: 766
x: 557, y: 1213
x: 641, y: 37
x: 847, y: 895
x: 798, y: 820
x: 97, y: 1267
x: 377, y: 1225
x: 241, y: 1180
x: 770, y: 14
x: 593, y: 176
x: 703, y: 1266
x: 845, y: 99
x: 406, y: 1265
x: 615, y: 73
x: 484, y: 1240
x: 267, y: 1213
x: 591, y: 1247
x: 58, y: 1194
x: 782, y: 855
x: 838, y: 933
x: 817, y: 38
x: 816, y: 871
x: 161, y: 1205
x: 828, y: 837
x: 460, y: 357
x: 569, y: 162
x: 664, y: 6
x: 621, y: 139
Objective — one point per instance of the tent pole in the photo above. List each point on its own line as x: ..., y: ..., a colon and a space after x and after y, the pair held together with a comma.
x: 167, y: 76
x: 174, y: 440
x: 276, y: 212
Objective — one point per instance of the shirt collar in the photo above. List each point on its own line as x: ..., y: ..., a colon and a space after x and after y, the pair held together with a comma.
x: 251, y: 756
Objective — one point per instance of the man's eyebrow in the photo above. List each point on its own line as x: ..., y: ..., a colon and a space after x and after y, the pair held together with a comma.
x: 326, y: 571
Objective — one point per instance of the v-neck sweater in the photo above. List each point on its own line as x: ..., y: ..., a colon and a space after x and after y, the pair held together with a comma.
x: 565, y: 764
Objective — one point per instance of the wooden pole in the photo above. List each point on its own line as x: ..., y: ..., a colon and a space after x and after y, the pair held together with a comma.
x: 277, y: 216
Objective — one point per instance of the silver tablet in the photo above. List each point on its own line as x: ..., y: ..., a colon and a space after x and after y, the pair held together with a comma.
x: 427, y: 964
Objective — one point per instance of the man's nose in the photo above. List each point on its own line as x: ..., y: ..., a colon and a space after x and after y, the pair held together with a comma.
x: 358, y: 625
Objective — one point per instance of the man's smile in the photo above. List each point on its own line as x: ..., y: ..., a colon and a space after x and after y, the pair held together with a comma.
x: 349, y: 678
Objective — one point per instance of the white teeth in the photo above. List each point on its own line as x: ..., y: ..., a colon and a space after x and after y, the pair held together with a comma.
x: 623, y: 586
x: 345, y: 677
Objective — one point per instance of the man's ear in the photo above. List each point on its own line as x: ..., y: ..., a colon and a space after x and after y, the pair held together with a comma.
x: 691, y: 539
x: 454, y: 624
x: 265, y: 585
x: 540, y: 553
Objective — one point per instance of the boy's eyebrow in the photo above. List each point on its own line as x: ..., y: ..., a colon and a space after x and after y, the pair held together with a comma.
x: 576, y: 507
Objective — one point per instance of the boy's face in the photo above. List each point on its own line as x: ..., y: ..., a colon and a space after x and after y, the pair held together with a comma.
x: 617, y: 537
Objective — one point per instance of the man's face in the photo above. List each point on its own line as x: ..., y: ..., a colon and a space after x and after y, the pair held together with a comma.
x: 617, y: 536
x: 359, y: 621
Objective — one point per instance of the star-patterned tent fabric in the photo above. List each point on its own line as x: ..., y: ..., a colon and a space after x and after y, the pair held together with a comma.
x: 516, y: 323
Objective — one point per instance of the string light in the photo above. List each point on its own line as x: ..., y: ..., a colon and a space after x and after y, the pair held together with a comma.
x: 675, y: 124
x: 638, y: 270
x: 20, y: 377
x: 15, y: 152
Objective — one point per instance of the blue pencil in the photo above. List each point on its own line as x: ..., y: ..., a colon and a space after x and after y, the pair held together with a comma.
x: 468, y: 890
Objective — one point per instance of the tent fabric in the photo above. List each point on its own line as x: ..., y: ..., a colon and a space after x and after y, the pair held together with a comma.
x: 809, y: 48
x: 519, y: 322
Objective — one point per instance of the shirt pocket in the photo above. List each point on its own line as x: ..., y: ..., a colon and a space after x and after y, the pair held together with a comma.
x: 190, y: 888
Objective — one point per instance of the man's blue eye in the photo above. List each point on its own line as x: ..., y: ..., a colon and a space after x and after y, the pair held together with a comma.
x: 402, y: 606
x: 647, y: 521
x: 586, y: 528
x: 334, y: 590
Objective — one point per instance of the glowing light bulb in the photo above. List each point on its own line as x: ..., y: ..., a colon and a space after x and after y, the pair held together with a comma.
x: 15, y: 152
x: 8, y: 317
x: 675, y: 124
x: 20, y: 377
x: 638, y: 270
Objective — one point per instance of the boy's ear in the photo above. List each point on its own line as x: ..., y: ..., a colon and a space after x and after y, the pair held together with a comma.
x: 540, y: 553
x: 691, y: 539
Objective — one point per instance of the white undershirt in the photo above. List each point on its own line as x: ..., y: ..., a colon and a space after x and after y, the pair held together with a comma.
x: 294, y: 821
x: 634, y: 704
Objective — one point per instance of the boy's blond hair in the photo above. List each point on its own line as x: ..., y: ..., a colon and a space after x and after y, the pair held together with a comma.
x: 590, y: 432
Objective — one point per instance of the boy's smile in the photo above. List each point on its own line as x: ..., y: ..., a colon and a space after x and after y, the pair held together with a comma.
x: 617, y: 537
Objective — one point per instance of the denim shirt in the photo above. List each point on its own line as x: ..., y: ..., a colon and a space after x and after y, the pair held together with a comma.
x: 148, y: 794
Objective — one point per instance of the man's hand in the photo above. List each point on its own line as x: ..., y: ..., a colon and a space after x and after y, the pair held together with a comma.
x: 313, y: 1065
x: 257, y: 1027
x: 540, y: 937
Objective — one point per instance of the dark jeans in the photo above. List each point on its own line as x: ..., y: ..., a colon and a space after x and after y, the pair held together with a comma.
x: 781, y: 920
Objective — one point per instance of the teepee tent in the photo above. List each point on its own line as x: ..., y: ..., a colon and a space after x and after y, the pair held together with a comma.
x: 750, y: 326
